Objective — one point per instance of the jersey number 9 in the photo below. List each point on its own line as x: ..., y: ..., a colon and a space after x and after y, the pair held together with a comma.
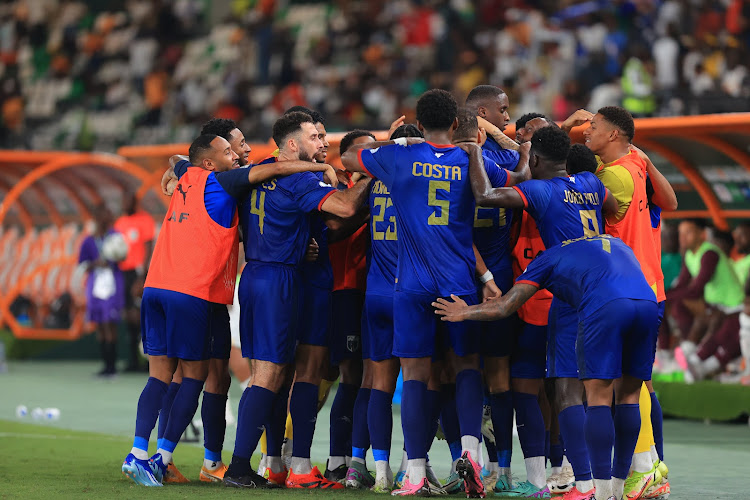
x: 590, y: 224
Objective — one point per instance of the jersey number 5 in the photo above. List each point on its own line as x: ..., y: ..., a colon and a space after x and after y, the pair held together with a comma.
x: 257, y: 206
x: 444, y: 205
x: 390, y: 232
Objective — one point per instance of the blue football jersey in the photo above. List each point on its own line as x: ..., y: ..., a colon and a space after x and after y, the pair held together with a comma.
x: 274, y: 217
x: 586, y: 273
x: 319, y: 273
x: 431, y: 192
x: 381, y: 274
x: 492, y: 225
x: 565, y: 208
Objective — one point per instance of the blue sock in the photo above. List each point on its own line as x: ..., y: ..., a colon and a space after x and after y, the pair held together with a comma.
x: 380, y: 424
x: 255, y: 407
x: 342, y: 411
x: 183, y: 410
x: 556, y: 454
x: 214, y: 416
x: 491, y: 450
x: 657, y: 422
x: 304, y: 410
x: 360, y: 433
x: 449, y: 420
x: 166, y: 407
x: 433, y: 409
x: 627, y: 427
x: 413, y: 404
x: 502, y: 422
x: 148, y: 411
x: 571, y: 429
x: 276, y: 423
x: 600, y: 439
x: 469, y: 402
x: 530, y: 424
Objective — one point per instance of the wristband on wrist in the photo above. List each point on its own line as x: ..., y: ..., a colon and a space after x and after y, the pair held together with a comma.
x: 486, y: 277
x: 401, y: 141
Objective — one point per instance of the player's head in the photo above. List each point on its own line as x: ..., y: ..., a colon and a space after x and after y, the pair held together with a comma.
x: 436, y: 112
x: 355, y: 137
x: 691, y: 233
x: 468, y: 128
x: 212, y: 152
x: 535, y: 124
x: 581, y: 159
x: 611, y: 124
x: 741, y: 235
x: 129, y: 203
x: 406, y: 130
x: 670, y: 242
x: 102, y: 217
x: 521, y: 123
x: 490, y: 103
x: 318, y: 121
x: 226, y: 128
x: 296, y: 136
x: 722, y: 239
x: 549, y: 151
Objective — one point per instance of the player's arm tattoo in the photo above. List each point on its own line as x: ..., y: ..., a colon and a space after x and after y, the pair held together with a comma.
x: 484, y: 194
x: 504, y: 306
x: 266, y: 171
x: 503, y: 140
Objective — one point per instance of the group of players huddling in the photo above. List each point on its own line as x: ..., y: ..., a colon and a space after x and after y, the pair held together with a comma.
x: 447, y: 213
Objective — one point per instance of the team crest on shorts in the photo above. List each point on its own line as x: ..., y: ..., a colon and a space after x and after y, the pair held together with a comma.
x: 352, y: 343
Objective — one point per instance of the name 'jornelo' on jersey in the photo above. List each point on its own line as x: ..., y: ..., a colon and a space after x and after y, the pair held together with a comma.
x: 431, y: 192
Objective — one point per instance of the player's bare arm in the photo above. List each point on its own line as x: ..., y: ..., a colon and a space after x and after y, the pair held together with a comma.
x: 490, y: 289
x: 484, y: 194
x: 576, y: 119
x: 341, y: 228
x: 664, y: 196
x: 266, y: 171
x: 458, y: 310
x: 610, y: 205
x: 350, y: 159
x: 345, y: 203
x: 497, y: 134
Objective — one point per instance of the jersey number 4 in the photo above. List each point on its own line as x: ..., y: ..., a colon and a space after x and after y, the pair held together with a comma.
x: 443, y: 205
x: 257, y: 206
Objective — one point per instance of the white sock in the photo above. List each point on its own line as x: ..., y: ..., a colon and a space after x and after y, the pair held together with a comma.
x: 710, y: 366
x: 348, y: 460
x: 139, y: 453
x: 334, y: 462
x: 262, y: 464
x: 745, y: 339
x: 654, y: 454
x: 504, y: 471
x: 688, y: 347
x: 275, y: 464
x: 404, y: 460
x: 166, y: 456
x: 664, y: 356
x: 566, y: 463
x: 618, y: 487
x: 553, y: 470
x: 535, y: 471
x: 301, y: 465
x: 642, y: 461
x: 417, y: 470
x: 584, y: 486
x: 381, y: 469
x: 358, y: 460
x: 470, y: 444
x: 453, y: 465
x: 210, y: 464
x: 603, y: 489
x: 492, y: 466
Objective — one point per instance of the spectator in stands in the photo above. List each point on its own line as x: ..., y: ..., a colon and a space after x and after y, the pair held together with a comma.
x: 105, y: 289
x: 137, y: 227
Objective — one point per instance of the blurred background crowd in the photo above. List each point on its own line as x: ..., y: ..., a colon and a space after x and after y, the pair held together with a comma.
x: 96, y: 75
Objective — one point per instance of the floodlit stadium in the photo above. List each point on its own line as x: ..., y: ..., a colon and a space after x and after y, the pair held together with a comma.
x: 407, y: 248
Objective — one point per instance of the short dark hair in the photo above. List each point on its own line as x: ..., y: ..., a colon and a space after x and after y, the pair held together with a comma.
x: 581, y: 159
x: 316, y: 116
x: 467, y: 124
x: 219, y: 126
x: 436, y: 110
x: 288, y: 124
x: 406, y: 130
x: 697, y: 222
x: 722, y: 236
x: 620, y: 118
x: 551, y: 143
x: 348, y: 139
x: 199, y: 147
x: 521, y: 122
x: 480, y: 93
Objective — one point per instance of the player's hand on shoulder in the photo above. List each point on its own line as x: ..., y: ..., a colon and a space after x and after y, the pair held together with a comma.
x: 469, y: 147
x: 331, y: 176
x: 452, y: 311
x: 482, y: 136
x: 169, y: 181
x: 414, y: 140
x: 525, y: 147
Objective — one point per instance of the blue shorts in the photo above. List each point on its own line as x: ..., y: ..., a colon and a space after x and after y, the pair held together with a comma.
x: 176, y: 325
x: 618, y: 339
x: 268, y: 312
x: 561, y: 344
x: 221, y: 332
x: 377, y: 327
x: 315, y: 311
x: 529, y: 356
x: 417, y: 329
x: 497, y: 336
x: 346, y: 325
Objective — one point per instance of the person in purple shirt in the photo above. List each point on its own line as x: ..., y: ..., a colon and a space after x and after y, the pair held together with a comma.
x: 105, y: 289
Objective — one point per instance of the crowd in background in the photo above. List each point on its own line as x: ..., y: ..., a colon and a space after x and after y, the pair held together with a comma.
x: 73, y: 75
